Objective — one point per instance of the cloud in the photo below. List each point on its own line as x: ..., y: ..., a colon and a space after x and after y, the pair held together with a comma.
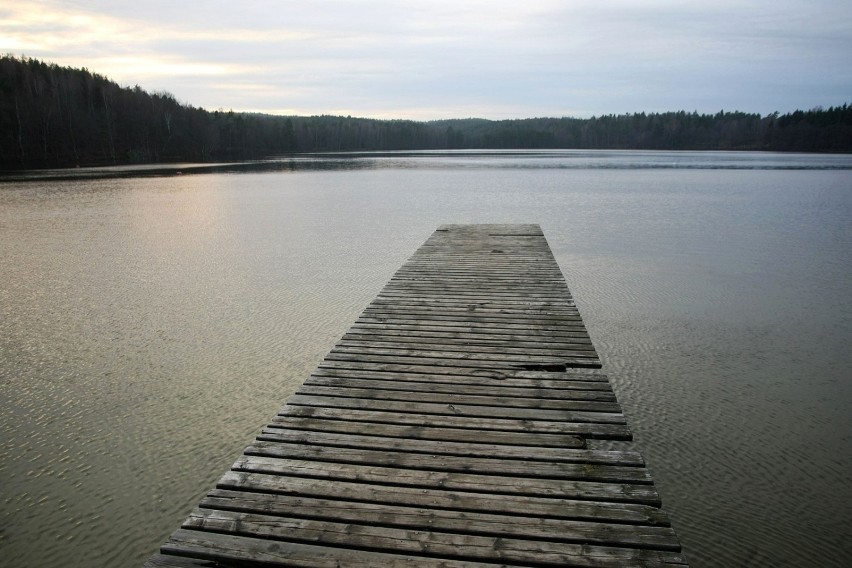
x: 492, y: 58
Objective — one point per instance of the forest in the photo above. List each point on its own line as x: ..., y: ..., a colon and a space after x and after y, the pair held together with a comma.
x: 54, y: 116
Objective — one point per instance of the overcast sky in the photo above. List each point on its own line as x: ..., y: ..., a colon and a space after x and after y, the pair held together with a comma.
x: 434, y: 59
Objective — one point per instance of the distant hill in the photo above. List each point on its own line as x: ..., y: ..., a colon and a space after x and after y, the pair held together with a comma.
x: 53, y: 116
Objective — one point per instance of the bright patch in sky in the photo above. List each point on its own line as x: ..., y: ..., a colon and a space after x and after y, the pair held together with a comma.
x: 439, y: 59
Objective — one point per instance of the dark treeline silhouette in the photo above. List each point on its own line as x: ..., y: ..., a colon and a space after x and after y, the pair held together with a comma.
x: 53, y: 116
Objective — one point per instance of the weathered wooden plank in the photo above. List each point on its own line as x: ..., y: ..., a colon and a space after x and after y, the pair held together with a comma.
x: 517, y: 267
x: 529, y: 291
x: 538, y: 286
x: 474, y: 248
x: 451, y: 269
x: 413, y: 541
x: 167, y: 561
x: 514, y: 525
x: 472, y: 294
x: 491, y: 279
x: 590, y: 471
x: 500, y: 314
x: 524, y: 341
x: 229, y: 549
x: 493, y: 372
x: 498, y: 266
x: 595, y: 430
x: 515, y: 393
x: 578, y: 403
x: 529, y: 253
x: 482, y: 257
x: 471, y: 265
x: 478, y: 363
x: 499, y: 438
x: 491, y: 229
x: 453, y: 353
x: 476, y: 316
x: 467, y: 331
x: 476, y: 261
x: 473, y: 324
x: 407, y: 345
x: 477, y: 257
x: 451, y: 340
x: 488, y: 282
x: 496, y: 277
x: 544, y: 334
x: 458, y: 410
x: 472, y: 315
x: 473, y: 482
x: 486, y: 354
x: 450, y: 448
x: 576, y: 378
x: 443, y: 498
x: 484, y: 285
x: 530, y: 305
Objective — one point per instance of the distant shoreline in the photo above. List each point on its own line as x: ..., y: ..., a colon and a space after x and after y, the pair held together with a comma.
x: 361, y: 160
x: 55, y: 117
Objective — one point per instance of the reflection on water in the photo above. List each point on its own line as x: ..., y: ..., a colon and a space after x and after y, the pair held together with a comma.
x: 150, y: 326
x: 465, y: 159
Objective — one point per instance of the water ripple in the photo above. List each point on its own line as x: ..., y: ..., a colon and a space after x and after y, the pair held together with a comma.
x: 150, y: 327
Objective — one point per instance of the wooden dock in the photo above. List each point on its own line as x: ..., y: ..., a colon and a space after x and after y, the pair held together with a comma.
x: 448, y: 427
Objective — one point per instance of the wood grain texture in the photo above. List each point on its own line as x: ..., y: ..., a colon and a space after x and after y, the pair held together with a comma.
x: 447, y: 427
x: 560, y: 507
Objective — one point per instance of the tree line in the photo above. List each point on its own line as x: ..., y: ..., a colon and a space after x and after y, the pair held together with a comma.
x: 54, y: 116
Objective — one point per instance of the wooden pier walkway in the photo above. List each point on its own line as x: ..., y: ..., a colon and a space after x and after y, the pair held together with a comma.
x: 447, y: 427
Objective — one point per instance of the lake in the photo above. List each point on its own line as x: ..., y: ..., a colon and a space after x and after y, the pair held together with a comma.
x: 151, y: 325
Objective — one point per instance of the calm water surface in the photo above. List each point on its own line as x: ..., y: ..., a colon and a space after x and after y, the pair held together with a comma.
x: 150, y: 326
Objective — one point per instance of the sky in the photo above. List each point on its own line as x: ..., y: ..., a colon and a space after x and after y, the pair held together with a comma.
x: 434, y: 59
